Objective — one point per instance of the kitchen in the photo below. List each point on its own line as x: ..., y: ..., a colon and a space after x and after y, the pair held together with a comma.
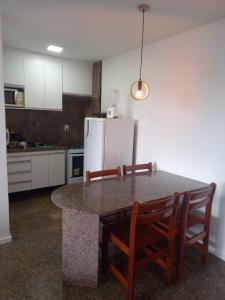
x: 178, y: 132
x: 50, y: 116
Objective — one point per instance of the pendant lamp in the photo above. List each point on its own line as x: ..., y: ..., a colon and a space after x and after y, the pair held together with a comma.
x: 140, y: 89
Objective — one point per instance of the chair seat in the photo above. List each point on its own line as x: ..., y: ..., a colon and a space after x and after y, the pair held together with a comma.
x: 117, y: 217
x: 192, y: 220
x: 146, y: 234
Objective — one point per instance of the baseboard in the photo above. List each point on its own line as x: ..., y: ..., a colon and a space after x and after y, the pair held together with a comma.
x: 212, y: 249
x: 217, y: 253
x: 6, y: 239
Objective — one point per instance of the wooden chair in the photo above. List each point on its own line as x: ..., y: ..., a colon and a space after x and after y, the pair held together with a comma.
x: 142, y: 234
x: 189, y: 217
x: 114, y: 217
x: 134, y: 168
x: 103, y: 173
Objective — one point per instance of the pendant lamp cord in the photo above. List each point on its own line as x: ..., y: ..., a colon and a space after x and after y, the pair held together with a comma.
x: 142, y: 39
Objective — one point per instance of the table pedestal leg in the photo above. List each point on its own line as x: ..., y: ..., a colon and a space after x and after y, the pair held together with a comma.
x: 80, y: 248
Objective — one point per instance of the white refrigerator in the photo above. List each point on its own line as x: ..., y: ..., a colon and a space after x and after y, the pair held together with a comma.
x: 108, y: 143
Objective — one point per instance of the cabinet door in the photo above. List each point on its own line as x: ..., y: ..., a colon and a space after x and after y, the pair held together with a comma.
x: 39, y: 171
x: 56, y: 168
x: 77, y: 78
x: 13, y: 67
x: 53, y: 85
x: 34, y: 83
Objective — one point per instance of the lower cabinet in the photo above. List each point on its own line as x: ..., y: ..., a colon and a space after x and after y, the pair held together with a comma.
x: 33, y: 170
x: 40, y: 170
x: 19, y: 173
x: 56, y: 174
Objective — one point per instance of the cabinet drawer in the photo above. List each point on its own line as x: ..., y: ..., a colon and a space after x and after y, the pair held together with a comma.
x: 18, y: 187
x: 19, y: 177
x: 18, y: 159
x: 21, y: 166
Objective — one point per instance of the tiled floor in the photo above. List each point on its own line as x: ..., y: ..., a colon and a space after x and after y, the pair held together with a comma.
x: 30, y: 266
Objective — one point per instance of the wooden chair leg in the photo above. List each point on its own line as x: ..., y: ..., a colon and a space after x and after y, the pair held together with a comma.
x: 169, y: 266
x: 131, y: 270
x: 105, y: 241
x: 180, y: 261
x: 205, y: 249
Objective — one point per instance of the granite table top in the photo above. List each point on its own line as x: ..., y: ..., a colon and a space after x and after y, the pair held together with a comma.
x: 115, y: 194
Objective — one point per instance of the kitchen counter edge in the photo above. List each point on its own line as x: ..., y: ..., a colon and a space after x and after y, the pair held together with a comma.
x: 28, y: 150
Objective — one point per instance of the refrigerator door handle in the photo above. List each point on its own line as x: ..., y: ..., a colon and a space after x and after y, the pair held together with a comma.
x: 87, y: 132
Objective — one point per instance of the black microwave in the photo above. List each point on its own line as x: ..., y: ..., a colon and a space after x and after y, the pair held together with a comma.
x: 14, y: 97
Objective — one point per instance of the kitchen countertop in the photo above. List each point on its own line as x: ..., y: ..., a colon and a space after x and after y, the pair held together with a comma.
x: 36, y: 149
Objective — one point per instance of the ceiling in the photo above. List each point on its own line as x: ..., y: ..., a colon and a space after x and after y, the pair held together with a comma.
x: 96, y: 29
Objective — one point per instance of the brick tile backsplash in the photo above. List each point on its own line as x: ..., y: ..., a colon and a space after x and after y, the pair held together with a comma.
x: 48, y: 126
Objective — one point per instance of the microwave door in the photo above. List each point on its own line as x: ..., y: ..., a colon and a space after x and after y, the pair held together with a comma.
x: 9, y: 97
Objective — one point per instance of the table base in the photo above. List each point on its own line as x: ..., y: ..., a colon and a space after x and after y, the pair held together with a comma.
x: 80, y: 248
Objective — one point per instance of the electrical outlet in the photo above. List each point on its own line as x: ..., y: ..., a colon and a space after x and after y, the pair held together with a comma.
x: 66, y: 128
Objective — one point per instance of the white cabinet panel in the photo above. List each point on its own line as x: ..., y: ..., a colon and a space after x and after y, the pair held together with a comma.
x: 19, y: 177
x: 39, y: 171
x: 34, y: 83
x: 15, y: 158
x: 45, y: 79
x: 13, y: 64
x: 56, y: 169
x: 18, y: 187
x: 77, y: 78
x: 53, y: 85
x: 19, y: 166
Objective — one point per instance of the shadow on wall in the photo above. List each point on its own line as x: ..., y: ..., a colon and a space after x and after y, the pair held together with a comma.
x: 135, y: 141
x: 218, y: 226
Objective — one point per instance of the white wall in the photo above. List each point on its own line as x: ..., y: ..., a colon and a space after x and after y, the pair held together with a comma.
x: 4, y: 204
x: 181, y: 125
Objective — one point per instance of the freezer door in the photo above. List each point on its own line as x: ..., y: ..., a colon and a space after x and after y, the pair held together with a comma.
x: 119, y: 142
x: 94, y: 132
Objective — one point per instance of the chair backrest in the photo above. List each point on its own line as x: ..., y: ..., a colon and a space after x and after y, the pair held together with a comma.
x: 151, y: 212
x: 139, y: 167
x: 194, y: 200
x: 103, y: 173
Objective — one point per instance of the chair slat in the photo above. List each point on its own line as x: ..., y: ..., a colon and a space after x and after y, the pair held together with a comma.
x: 133, y: 168
x: 143, y: 234
x: 102, y: 173
x: 190, y: 217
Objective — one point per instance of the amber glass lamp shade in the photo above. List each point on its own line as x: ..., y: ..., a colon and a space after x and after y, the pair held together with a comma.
x: 139, y: 90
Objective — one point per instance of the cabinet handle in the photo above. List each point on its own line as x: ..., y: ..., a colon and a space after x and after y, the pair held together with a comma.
x: 19, y: 172
x: 18, y: 162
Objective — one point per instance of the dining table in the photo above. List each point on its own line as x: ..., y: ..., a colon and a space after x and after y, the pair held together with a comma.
x: 83, y: 203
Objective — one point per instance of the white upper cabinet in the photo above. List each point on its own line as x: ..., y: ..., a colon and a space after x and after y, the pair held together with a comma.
x: 77, y: 78
x: 43, y: 83
x: 53, y: 85
x: 34, y: 83
x: 13, y: 67
x: 46, y: 78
